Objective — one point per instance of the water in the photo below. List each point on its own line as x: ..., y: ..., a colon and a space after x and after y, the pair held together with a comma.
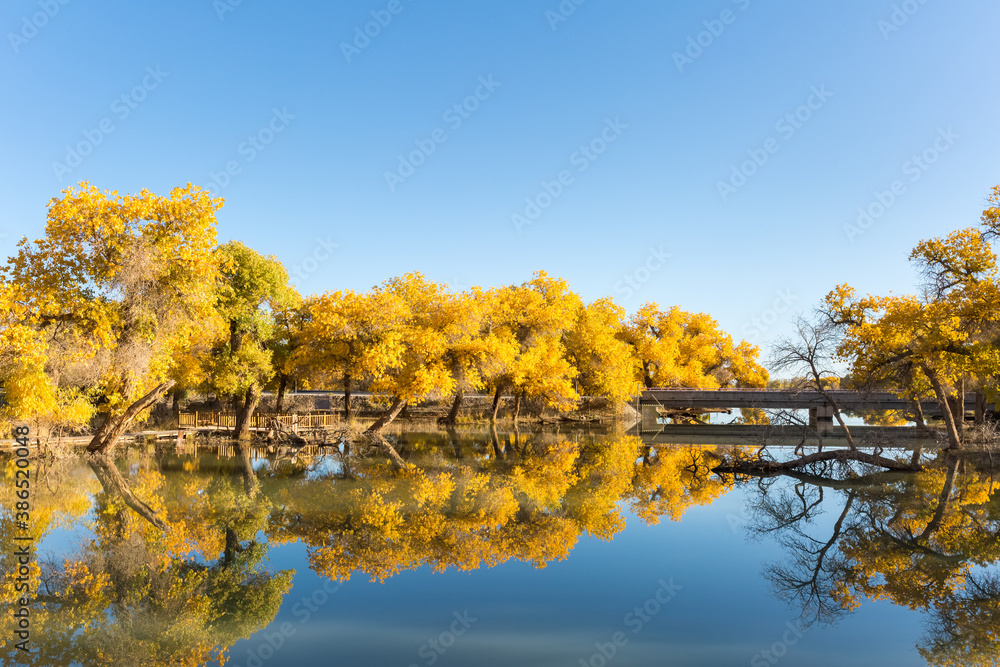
x: 524, y: 549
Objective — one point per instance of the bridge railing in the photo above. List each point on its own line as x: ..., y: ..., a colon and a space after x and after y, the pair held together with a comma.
x: 259, y: 420
x: 764, y: 389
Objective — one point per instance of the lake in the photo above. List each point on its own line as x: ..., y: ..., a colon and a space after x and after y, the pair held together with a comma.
x: 537, y: 548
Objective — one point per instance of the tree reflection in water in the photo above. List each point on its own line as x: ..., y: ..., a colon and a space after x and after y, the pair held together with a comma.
x: 926, y: 541
x: 172, y: 574
x: 173, y: 559
x: 173, y: 569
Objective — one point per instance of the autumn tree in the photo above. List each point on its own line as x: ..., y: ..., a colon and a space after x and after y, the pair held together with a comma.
x: 27, y: 352
x: 109, y: 286
x: 680, y: 349
x: 991, y: 216
x: 287, y: 337
x: 471, y: 349
x: 419, y: 367
x: 529, y: 325
x: 250, y: 288
x: 947, y: 334
x: 595, y: 347
x: 351, y: 338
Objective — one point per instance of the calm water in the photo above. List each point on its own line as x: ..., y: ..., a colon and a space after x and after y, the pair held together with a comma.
x: 535, y: 549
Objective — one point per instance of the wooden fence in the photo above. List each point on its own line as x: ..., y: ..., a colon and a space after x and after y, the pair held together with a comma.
x: 259, y: 420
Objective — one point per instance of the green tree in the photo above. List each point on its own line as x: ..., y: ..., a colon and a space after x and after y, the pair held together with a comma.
x: 251, y: 288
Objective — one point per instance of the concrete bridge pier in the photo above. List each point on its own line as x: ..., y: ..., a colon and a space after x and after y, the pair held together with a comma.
x: 650, y: 416
x: 821, y: 418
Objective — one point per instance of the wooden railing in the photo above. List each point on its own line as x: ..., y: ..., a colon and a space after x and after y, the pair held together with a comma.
x: 258, y: 420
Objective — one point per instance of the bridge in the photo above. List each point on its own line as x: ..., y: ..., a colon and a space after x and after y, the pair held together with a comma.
x: 820, y: 410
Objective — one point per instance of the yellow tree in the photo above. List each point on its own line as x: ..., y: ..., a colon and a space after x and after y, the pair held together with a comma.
x: 470, y: 345
x: 991, y: 216
x: 30, y: 393
x: 680, y: 349
x: 529, y: 324
x: 419, y: 368
x: 192, y: 350
x: 112, y: 282
x: 606, y: 363
x: 350, y: 338
x: 946, y: 335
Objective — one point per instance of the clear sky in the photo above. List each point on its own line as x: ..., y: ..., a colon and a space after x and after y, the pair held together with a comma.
x: 622, y: 122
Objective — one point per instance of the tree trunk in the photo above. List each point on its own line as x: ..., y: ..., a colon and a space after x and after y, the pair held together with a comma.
x: 918, y: 414
x: 244, y: 415
x: 954, y: 439
x: 175, y: 405
x: 250, y: 483
x: 496, y: 405
x: 232, y: 548
x: 397, y: 406
x: 958, y: 407
x: 235, y: 337
x: 282, y: 386
x: 115, y: 485
x: 946, y: 491
x: 647, y: 379
x: 980, y: 407
x: 386, y: 446
x: 455, y: 445
x: 498, y: 453
x: 453, y: 414
x: 113, y: 426
x: 347, y: 397
x: 517, y: 407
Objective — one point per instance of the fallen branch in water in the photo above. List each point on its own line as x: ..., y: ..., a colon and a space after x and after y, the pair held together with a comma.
x: 841, y: 455
x: 278, y: 431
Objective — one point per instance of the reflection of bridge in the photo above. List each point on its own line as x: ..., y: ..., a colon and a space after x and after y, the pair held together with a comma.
x: 820, y: 410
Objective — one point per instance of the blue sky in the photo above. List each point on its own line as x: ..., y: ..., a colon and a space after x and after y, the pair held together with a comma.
x: 874, y: 84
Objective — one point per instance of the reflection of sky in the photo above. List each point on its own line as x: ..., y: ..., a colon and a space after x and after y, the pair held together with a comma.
x: 724, y: 615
